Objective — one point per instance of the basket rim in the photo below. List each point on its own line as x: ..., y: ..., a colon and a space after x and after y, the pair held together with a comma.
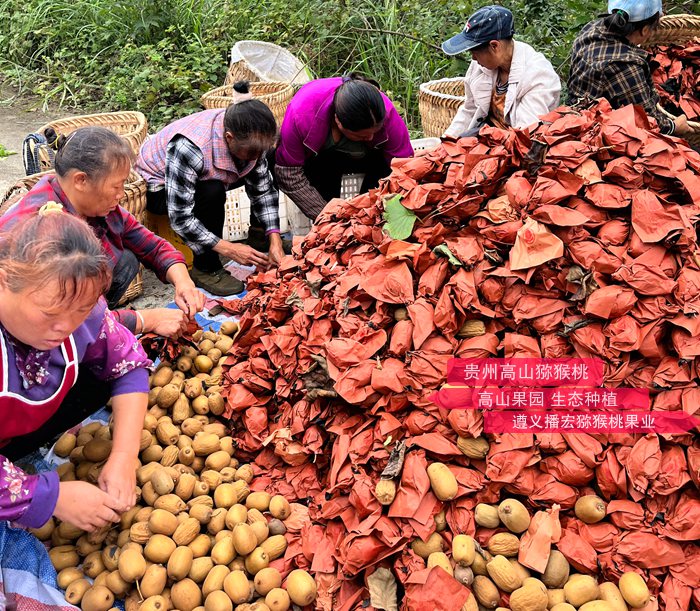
x: 425, y: 88
x: 241, y: 44
x: 683, y: 22
x: 679, y: 20
x: 226, y: 89
x: 137, y: 115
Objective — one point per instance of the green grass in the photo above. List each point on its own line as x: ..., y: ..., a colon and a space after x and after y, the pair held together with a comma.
x: 160, y: 57
x: 5, y: 153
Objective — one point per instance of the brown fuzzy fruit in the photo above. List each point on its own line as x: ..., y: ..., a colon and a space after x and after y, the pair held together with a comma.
x: 590, y: 509
x: 301, y: 588
x: 514, y: 515
x: 634, y: 589
x: 186, y: 595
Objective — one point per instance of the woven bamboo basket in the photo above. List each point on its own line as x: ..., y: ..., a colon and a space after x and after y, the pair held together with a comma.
x: 275, y: 95
x: 134, y: 201
x: 258, y: 61
x: 130, y: 125
x: 239, y: 71
x: 675, y: 30
x: 438, y: 102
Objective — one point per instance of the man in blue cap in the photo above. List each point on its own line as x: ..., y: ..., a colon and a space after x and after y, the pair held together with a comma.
x: 508, y: 83
x: 608, y: 62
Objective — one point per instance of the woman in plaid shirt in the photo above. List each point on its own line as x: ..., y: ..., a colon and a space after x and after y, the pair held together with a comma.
x: 189, y: 166
x: 608, y: 62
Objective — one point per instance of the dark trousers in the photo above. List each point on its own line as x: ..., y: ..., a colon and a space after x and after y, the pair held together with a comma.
x: 87, y: 396
x: 325, y: 171
x: 122, y: 276
x: 209, y: 209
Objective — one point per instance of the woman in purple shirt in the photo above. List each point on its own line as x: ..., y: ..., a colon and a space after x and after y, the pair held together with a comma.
x: 332, y: 127
x: 62, y: 353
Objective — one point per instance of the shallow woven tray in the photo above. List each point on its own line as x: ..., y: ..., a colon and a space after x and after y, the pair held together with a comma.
x: 130, y: 125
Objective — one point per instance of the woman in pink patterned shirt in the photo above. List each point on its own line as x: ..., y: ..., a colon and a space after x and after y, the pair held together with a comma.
x: 62, y: 353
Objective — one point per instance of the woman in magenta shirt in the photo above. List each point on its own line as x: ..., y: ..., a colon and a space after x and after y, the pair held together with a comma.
x: 62, y: 355
x: 332, y: 127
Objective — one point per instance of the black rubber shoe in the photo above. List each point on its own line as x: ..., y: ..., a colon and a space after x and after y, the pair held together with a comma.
x: 219, y: 283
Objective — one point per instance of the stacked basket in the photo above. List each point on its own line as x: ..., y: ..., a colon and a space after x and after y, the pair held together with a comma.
x: 256, y: 61
x: 275, y: 95
x: 273, y: 74
x: 130, y: 125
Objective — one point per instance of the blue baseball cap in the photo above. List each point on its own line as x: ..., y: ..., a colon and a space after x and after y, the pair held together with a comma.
x: 638, y: 10
x: 487, y: 24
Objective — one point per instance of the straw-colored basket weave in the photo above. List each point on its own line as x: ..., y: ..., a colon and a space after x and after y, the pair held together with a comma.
x: 438, y: 102
x: 675, y: 30
x: 130, y: 125
x: 134, y: 201
x: 275, y: 95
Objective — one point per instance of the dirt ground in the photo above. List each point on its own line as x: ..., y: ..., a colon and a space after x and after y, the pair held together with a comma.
x: 22, y: 115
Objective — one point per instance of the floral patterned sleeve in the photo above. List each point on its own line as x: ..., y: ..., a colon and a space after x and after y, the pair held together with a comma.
x: 28, y: 500
x: 114, y: 354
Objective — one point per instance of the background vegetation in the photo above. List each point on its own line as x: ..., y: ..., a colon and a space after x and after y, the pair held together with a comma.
x: 159, y: 56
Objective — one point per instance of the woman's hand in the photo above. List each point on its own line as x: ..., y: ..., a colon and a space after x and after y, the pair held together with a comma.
x: 189, y: 298
x: 242, y: 254
x: 276, y: 253
x: 166, y: 322
x: 118, y: 478
x: 681, y: 127
x: 86, y: 506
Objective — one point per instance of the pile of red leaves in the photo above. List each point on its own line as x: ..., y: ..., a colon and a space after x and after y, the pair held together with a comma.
x: 577, y: 239
x: 677, y: 79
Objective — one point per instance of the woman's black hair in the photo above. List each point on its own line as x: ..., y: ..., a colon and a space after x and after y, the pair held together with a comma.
x: 619, y: 22
x: 358, y: 103
x: 97, y: 151
x: 251, y: 122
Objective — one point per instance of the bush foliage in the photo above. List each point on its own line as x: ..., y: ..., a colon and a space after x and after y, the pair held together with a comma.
x: 160, y: 57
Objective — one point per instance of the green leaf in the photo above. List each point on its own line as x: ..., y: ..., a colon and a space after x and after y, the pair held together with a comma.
x: 446, y: 252
x: 5, y: 152
x: 399, y: 219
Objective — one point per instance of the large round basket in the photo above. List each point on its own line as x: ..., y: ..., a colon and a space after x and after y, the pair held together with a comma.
x: 254, y: 60
x: 675, y: 30
x: 134, y: 201
x: 130, y: 125
x: 438, y: 102
x: 275, y: 95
